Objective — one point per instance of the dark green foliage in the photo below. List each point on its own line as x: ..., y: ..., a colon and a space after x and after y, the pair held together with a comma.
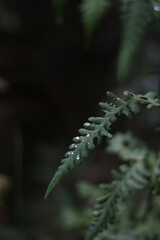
x: 127, y: 147
x: 92, y: 13
x: 136, y: 18
x: 135, y: 221
x: 130, y: 178
x: 141, y: 173
x: 97, y: 127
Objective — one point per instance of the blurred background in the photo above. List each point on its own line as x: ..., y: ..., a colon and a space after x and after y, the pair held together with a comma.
x: 50, y: 83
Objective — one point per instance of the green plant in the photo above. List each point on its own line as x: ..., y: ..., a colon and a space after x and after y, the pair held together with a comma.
x: 141, y: 171
x: 139, y: 175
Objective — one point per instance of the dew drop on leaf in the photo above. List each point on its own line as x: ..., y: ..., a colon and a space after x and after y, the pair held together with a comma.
x: 87, y: 124
x: 78, y: 157
x: 67, y: 154
x: 73, y: 146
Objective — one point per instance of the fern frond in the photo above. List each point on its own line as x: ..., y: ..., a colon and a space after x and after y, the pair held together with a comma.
x: 125, y: 226
x: 97, y: 127
x: 135, y: 23
x: 133, y: 177
x: 109, y: 235
x: 92, y: 13
x: 130, y: 148
x: 142, y: 172
x: 147, y: 230
x: 127, y: 147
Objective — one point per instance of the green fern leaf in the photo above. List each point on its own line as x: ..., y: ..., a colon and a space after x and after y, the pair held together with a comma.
x: 142, y: 173
x: 92, y: 13
x: 95, y: 129
x: 135, y: 24
x: 127, y: 147
x: 130, y: 178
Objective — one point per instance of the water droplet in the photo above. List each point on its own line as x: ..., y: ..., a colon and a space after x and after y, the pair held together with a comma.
x: 76, y: 139
x: 88, y: 134
x: 73, y: 146
x: 87, y: 124
x: 114, y: 105
x: 69, y: 154
x: 110, y: 135
x: 78, y: 157
x: 156, y: 8
x: 126, y: 92
x: 111, y: 104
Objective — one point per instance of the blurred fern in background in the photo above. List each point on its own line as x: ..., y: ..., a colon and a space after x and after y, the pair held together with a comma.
x: 137, y: 17
x: 136, y: 212
x: 92, y: 13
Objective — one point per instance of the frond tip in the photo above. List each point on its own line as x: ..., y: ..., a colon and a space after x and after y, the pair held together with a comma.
x: 98, y: 127
x: 92, y: 13
x: 138, y: 174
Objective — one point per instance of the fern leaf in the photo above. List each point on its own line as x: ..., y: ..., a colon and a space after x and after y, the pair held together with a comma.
x: 143, y: 172
x: 92, y: 13
x: 127, y: 147
x: 130, y: 178
x: 96, y: 128
x: 134, y: 29
x: 140, y: 174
